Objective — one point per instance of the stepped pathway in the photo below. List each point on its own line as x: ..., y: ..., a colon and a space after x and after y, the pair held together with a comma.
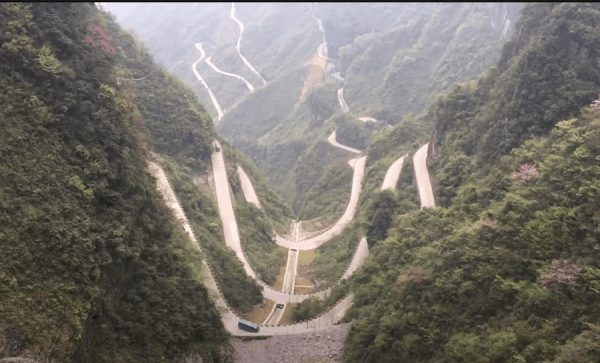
x: 210, y: 93
x: 423, y: 181
x: 239, y: 42
x: 289, y: 279
x: 248, y: 84
x: 393, y: 174
x: 331, y: 139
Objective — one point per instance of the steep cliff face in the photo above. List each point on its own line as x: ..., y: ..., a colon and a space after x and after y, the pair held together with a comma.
x: 93, y: 268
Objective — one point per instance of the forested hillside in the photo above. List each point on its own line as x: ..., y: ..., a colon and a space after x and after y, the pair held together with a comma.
x: 507, y: 268
x: 395, y: 58
x: 393, y: 66
x: 93, y: 268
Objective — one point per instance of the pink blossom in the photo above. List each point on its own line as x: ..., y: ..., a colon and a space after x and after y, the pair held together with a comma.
x: 596, y: 104
x: 526, y: 173
x: 99, y: 38
x: 561, y: 273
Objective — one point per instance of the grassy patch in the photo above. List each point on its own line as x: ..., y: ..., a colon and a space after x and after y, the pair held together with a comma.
x: 288, y: 317
x: 259, y: 312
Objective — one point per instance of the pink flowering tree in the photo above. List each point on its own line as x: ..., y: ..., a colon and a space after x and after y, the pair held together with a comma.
x: 99, y: 38
x: 526, y: 173
x: 596, y: 104
x: 562, y: 274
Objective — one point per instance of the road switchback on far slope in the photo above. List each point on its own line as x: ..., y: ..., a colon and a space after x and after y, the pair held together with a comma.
x: 423, y: 181
x: 393, y: 174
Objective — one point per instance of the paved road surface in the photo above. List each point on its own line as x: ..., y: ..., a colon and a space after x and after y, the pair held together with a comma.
x: 338, y: 76
x: 423, y: 181
x: 393, y: 174
x: 247, y: 188
x: 229, y: 318
x: 331, y: 139
x: 231, y: 234
x: 342, y: 101
x: 290, y: 271
x: 275, y: 316
x: 210, y: 93
x: 362, y: 252
x: 367, y: 118
x: 239, y: 42
x: 338, y: 227
x: 248, y: 84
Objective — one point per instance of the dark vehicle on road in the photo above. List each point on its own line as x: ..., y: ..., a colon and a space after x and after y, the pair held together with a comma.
x: 248, y: 326
x: 217, y: 148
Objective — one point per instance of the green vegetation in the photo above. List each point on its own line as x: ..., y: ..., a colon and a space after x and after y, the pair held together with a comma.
x: 240, y: 291
x: 401, y: 69
x: 92, y: 265
x: 274, y: 208
x: 330, y: 196
x: 352, y: 132
x: 256, y: 115
x: 464, y: 280
x: 313, y: 306
x: 507, y: 267
x: 332, y: 258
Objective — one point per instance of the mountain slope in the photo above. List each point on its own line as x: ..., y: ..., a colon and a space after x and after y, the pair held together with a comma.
x: 508, y: 266
x: 93, y: 267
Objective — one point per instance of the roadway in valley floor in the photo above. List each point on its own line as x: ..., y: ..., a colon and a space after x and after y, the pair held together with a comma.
x: 229, y: 319
x: 337, y: 228
x: 231, y: 235
x: 290, y: 271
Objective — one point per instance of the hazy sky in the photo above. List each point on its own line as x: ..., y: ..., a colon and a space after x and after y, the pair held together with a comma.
x: 119, y: 9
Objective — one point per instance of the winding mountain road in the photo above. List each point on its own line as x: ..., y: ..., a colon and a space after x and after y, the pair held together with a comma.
x: 332, y: 140
x: 239, y: 42
x: 342, y: 101
x: 230, y: 231
x: 316, y: 241
x: 247, y: 188
x: 210, y: 93
x: 393, y: 174
x: 229, y: 319
x: 248, y: 84
x: 367, y: 118
x: 423, y: 181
